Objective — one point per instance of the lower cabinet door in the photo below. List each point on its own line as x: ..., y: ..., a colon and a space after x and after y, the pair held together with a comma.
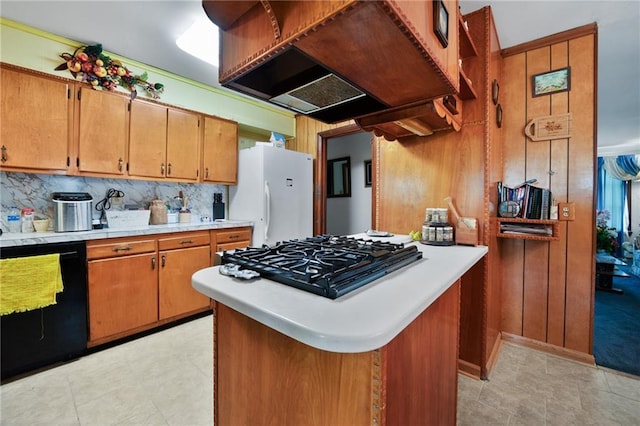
x: 123, y: 294
x: 177, y: 296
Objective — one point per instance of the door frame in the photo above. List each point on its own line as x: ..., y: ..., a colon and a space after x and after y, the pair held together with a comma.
x: 320, y: 196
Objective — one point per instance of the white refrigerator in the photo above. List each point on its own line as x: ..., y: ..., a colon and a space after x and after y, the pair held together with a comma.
x: 275, y: 192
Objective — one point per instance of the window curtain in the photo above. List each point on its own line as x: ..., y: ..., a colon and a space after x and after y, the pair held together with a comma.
x: 614, y: 178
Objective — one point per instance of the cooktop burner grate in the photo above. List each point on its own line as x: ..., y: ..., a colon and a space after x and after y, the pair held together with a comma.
x: 326, y: 265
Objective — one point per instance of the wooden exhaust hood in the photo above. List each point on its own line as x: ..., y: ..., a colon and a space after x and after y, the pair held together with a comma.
x: 338, y: 60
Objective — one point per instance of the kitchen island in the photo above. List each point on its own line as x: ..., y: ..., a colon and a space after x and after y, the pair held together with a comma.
x: 384, y: 353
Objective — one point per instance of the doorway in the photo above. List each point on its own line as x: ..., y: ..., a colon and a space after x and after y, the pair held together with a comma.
x: 330, y: 211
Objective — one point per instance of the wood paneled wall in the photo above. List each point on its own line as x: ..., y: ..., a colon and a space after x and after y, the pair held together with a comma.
x: 548, y: 287
x: 420, y: 172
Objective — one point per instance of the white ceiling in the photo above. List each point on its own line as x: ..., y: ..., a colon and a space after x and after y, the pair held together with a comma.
x: 146, y: 31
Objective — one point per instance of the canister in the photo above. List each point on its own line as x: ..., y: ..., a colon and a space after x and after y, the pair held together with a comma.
x: 72, y: 211
x: 158, y: 215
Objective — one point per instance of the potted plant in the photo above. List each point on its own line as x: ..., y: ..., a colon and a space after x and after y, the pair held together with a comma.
x: 606, y: 236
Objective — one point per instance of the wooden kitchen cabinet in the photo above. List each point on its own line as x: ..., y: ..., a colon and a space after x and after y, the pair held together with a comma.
x: 103, y: 132
x: 163, y: 142
x: 220, y: 151
x: 37, y: 116
x: 122, y: 287
x: 138, y: 283
x: 180, y: 256
x: 148, y: 140
x: 231, y: 238
x: 183, y: 145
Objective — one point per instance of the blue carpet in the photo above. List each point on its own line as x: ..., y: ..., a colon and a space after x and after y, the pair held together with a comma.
x: 616, y: 339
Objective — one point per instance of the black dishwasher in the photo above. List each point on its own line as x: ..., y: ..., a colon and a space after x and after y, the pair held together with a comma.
x: 34, y: 339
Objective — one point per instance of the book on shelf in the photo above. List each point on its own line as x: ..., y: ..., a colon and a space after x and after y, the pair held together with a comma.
x: 534, y: 202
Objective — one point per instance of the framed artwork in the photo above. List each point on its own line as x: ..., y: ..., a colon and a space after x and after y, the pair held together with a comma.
x: 441, y: 22
x: 339, y: 177
x: 550, y: 82
x: 367, y: 173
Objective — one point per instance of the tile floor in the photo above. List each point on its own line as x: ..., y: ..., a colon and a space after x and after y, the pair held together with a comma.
x: 165, y: 379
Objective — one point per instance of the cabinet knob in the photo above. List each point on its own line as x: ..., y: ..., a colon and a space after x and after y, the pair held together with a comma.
x: 119, y: 249
x: 153, y: 262
x: 120, y: 164
x: 162, y: 169
x: 186, y: 242
x: 206, y: 173
x: 163, y: 261
x: 4, y: 154
x: 169, y: 169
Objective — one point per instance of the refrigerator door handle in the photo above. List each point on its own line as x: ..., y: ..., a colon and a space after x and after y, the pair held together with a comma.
x: 267, y: 196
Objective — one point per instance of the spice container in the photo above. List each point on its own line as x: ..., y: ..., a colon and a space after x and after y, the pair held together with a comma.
x: 436, y: 229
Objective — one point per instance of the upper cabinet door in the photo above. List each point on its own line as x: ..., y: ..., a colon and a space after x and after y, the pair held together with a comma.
x: 148, y: 140
x: 183, y: 144
x: 220, y: 151
x: 36, y: 115
x: 103, y: 132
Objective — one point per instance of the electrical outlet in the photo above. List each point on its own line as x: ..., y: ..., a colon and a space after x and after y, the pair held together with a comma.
x: 566, y: 211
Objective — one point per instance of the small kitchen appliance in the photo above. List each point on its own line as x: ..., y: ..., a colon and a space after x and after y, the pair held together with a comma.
x: 327, y: 265
x: 72, y: 211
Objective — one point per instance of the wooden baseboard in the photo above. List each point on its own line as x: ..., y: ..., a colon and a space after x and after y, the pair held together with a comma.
x: 146, y: 327
x: 550, y: 349
x: 493, y: 356
x: 468, y: 369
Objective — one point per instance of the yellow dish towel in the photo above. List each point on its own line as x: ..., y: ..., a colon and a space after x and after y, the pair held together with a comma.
x: 28, y: 283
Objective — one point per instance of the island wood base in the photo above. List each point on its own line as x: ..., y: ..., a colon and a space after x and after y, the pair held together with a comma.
x: 262, y: 377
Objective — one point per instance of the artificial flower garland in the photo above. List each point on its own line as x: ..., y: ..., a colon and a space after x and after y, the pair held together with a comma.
x: 102, y: 72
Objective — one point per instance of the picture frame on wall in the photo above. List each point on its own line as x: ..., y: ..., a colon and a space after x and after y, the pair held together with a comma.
x: 367, y: 173
x: 441, y: 22
x: 550, y: 82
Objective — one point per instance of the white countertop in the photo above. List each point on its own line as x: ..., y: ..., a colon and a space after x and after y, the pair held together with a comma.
x: 31, y: 238
x: 362, y: 320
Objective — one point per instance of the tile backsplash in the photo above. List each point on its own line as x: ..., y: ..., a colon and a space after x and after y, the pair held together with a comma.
x: 34, y: 190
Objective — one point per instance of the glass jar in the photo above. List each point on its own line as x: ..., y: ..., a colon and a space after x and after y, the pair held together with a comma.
x: 443, y: 215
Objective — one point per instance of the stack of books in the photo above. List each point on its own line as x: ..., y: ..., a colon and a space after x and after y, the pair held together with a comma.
x: 534, y: 202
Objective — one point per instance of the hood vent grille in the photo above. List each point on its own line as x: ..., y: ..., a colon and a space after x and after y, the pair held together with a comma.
x: 322, y: 93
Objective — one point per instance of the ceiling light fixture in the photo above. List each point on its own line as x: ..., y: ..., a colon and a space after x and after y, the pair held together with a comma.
x: 201, y: 40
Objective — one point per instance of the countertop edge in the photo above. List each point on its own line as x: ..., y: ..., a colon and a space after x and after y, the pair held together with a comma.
x: 32, y: 238
x: 263, y: 301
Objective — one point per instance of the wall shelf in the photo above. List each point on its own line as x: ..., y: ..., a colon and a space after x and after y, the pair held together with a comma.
x: 467, y: 46
x: 533, y: 224
x: 421, y: 119
x: 466, y: 89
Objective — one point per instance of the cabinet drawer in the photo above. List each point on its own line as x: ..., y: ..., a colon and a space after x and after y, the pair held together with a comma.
x: 233, y: 235
x: 231, y: 246
x: 100, y: 249
x: 190, y: 239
